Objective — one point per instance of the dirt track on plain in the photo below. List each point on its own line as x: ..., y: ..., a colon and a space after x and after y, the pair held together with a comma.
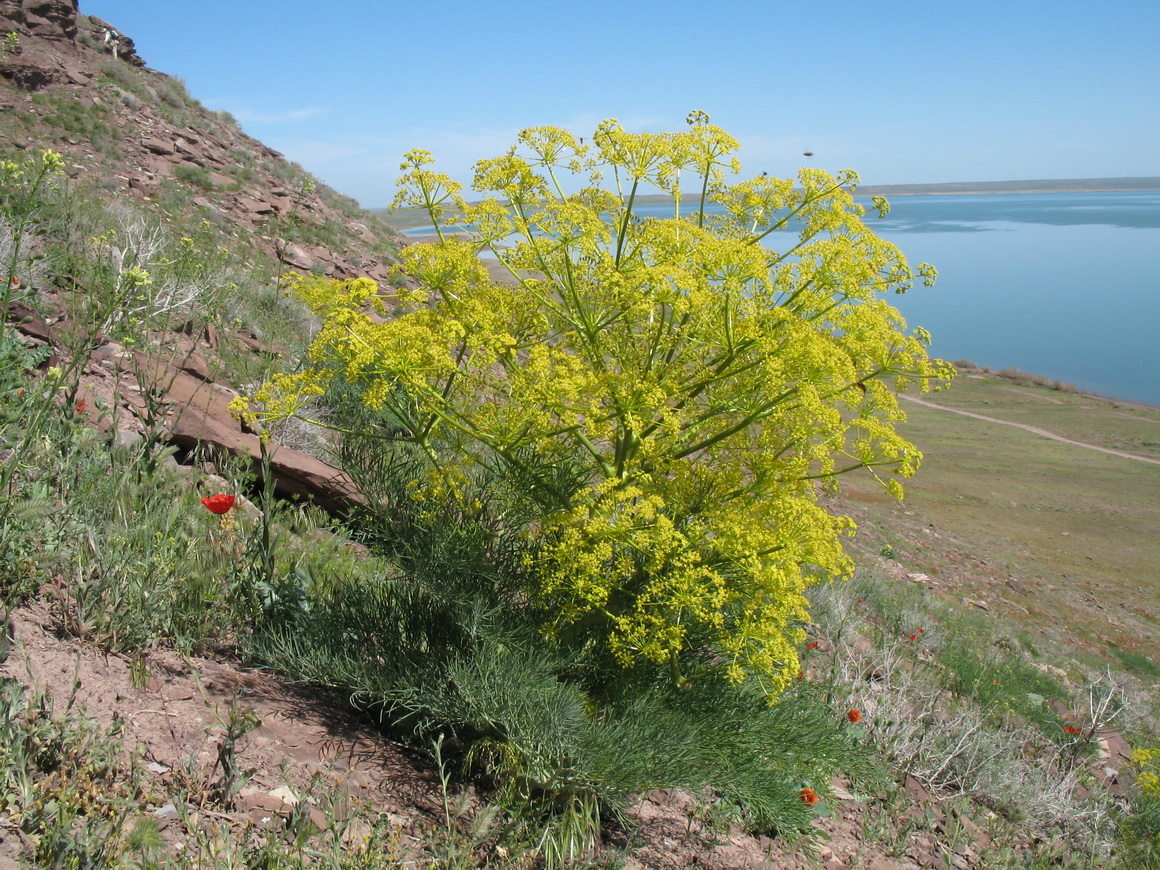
x: 1033, y: 429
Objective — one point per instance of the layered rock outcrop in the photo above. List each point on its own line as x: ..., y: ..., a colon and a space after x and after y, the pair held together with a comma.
x: 162, y: 135
x: 48, y: 19
x: 57, y: 59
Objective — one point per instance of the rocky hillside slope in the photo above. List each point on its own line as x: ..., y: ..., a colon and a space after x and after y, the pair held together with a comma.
x: 987, y: 761
x: 133, y: 140
x: 74, y: 83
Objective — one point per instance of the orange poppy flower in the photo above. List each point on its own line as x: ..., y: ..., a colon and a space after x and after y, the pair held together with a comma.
x: 809, y: 796
x: 855, y: 716
x: 219, y: 504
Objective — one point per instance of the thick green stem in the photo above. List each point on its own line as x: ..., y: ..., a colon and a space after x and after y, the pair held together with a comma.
x: 739, y: 426
x: 806, y: 200
x: 624, y: 223
x: 704, y: 195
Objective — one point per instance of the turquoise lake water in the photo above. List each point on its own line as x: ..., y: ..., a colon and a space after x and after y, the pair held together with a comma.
x: 1065, y: 285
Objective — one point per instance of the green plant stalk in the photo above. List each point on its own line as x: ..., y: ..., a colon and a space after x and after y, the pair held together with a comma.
x: 267, y: 544
x: 49, y: 162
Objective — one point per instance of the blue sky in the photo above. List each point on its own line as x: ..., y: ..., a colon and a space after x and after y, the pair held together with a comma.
x: 902, y: 92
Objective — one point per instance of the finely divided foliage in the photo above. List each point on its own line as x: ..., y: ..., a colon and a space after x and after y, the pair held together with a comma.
x: 666, y: 396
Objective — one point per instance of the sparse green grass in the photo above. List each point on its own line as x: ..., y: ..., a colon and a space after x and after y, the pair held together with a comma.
x: 196, y: 176
x: 65, y: 784
x: 172, y: 91
x: 950, y: 703
x: 1136, y: 662
x: 1074, y: 528
x: 128, y: 77
x: 81, y: 801
x: 1104, y: 422
x: 78, y: 119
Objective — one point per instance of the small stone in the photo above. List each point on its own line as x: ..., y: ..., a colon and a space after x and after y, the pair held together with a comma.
x: 126, y: 438
x: 254, y: 799
x: 262, y: 817
x: 1051, y: 671
x: 914, y: 788
x: 841, y: 794
x: 285, y: 795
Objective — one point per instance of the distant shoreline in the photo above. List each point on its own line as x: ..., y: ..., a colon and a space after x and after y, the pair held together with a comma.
x: 1019, y: 378
x: 406, y: 219
x: 1043, y: 185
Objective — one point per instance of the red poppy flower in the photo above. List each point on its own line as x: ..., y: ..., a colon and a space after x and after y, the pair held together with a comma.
x: 914, y: 637
x: 813, y: 644
x: 81, y: 407
x: 922, y: 631
x: 809, y: 796
x: 1071, y: 729
x: 855, y: 716
x: 219, y: 504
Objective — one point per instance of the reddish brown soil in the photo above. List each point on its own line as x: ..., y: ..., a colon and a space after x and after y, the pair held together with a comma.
x: 308, y: 736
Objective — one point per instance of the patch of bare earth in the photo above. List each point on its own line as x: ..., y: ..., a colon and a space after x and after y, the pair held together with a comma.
x: 173, y: 712
x: 305, y: 739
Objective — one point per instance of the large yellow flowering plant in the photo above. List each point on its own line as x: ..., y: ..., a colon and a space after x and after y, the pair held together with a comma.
x: 671, y: 393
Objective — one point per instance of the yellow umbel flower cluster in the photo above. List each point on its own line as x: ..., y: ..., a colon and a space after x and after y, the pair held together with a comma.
x: 1148, y: 779
x: 670, y: 394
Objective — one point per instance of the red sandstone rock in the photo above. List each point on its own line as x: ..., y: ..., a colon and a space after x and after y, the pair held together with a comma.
x: 201, y: 420
x: 157, y: 146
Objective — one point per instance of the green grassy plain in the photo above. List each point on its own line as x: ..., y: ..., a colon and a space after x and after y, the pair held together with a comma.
x: 1062, y: 539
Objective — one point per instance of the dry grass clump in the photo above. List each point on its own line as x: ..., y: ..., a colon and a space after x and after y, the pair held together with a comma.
x: 965, y: 719
x: 1017, y: 376
x: 1026, y: 379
